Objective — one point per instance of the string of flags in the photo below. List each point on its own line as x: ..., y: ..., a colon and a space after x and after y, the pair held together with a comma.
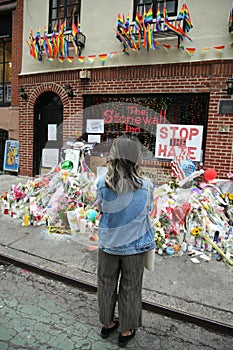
x: 141, y: 35
x: 145, y: 29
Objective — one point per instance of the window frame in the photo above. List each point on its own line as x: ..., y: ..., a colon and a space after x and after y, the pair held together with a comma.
x: 155, y: 7
x: 4, y: 83
x: 64, y: 6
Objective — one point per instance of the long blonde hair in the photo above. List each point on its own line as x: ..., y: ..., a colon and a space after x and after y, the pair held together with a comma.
x: 123, y: 173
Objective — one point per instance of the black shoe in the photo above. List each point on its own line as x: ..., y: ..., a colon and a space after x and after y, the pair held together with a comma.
x: 123, y: 340
x: 105, y: 332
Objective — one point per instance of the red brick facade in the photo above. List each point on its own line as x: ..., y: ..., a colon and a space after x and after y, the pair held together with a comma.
x: 203, y: 77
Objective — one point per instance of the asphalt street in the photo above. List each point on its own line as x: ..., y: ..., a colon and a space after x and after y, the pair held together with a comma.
x: 37, y: 313
x: 203, y: 289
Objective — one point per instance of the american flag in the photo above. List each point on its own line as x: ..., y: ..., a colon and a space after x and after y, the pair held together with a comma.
x: 175, y: 165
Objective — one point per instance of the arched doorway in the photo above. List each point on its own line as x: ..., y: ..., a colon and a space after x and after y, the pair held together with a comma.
x: 48, y: 118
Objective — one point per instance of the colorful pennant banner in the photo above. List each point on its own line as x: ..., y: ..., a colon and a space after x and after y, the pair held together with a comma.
x: 141, y: 34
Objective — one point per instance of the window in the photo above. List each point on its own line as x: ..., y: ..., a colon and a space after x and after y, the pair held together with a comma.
x: 171, y: 6
x: 60, y: 10
x: 5, y: 71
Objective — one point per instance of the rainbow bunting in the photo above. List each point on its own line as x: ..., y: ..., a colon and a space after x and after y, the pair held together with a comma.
x: 205, y: 49
x: 113, y: 53
x: 190, y: 50
x: 70, y: 58
x: 103, y: 57
x: 50, y: 59
x: 219, y: 48
x: 81, y: 59
x: 91, y: 58
x: 61, y: 59
x: 166, y: 47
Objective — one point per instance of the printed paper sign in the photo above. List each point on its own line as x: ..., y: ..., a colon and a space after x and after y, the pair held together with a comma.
x: 50, y: 157
x: 172, y: 139
x: 95, y: 126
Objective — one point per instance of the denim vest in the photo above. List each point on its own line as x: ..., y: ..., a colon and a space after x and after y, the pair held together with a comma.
x: 125, y: 227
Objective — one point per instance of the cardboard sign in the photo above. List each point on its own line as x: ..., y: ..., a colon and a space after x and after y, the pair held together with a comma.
x: 172, y: 139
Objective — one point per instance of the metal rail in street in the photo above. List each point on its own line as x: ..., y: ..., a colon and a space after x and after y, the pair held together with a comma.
x: 200, y: 321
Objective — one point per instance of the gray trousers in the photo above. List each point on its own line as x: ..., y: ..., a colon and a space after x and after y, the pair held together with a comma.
x: 125, y: 271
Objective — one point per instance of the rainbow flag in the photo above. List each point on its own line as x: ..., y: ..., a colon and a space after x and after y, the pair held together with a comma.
x: 190, y: 50
x: 127, y: 22
x: 149, y: 35
x: 74, y: 45
x: 103, y: 57
x: 120, y: 20
x: 166, y: 47
x: 219, y: 48
x: 74, y: 29
x: 55, y: 44
x: 148, y: 18
x: 91, y: 58
x: 61, y: 59
x: 165, y: 15
x: 70, y: 58
x: 138, y: 21
x: 158, y: 19
x: 81, y: 59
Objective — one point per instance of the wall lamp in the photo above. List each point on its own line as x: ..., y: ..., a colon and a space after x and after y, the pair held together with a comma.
x: 22, y: 93
x: 68, y: 90
x: 229, y: 83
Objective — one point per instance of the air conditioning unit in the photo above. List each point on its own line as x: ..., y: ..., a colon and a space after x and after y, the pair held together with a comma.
x: 85, y: 74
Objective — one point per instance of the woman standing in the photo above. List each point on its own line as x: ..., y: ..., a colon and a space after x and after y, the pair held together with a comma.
x: 125, y: 234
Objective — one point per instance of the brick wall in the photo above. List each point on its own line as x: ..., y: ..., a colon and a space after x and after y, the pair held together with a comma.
x: 203, y: 77
x: 17, y: 35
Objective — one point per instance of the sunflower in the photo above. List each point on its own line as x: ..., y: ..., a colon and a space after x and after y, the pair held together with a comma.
x: 196, y: 231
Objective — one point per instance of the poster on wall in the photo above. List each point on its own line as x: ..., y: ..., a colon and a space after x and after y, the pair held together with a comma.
x: 50, y: 157
x: 95, y: 126
x: 172, y: 139
x: 11, y: 156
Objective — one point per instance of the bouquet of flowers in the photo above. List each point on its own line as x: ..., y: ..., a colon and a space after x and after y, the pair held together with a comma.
x: 159, y: 237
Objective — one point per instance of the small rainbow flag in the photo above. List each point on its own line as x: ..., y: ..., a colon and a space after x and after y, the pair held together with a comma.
x: 70, y: 58
x: 158, y: 19
x: 81, y: 59
x: 219, y: 48
x: 191, y: 50
x: 103, y: 57
x: 91, y: 58
x: 138, y: 21
x: 61, y: 59
x: 166, y: 47
x: 148, y: 18
x: 74, y: 29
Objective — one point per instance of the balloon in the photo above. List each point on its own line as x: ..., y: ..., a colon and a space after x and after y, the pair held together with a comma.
x: 91, y: 214
x: 210, y: 174
x: 68, y: 165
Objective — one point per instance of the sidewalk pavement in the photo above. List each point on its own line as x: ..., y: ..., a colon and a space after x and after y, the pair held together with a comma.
x: 203, y: 289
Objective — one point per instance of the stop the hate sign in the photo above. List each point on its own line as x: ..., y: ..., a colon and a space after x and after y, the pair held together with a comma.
x: 172, y: 139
